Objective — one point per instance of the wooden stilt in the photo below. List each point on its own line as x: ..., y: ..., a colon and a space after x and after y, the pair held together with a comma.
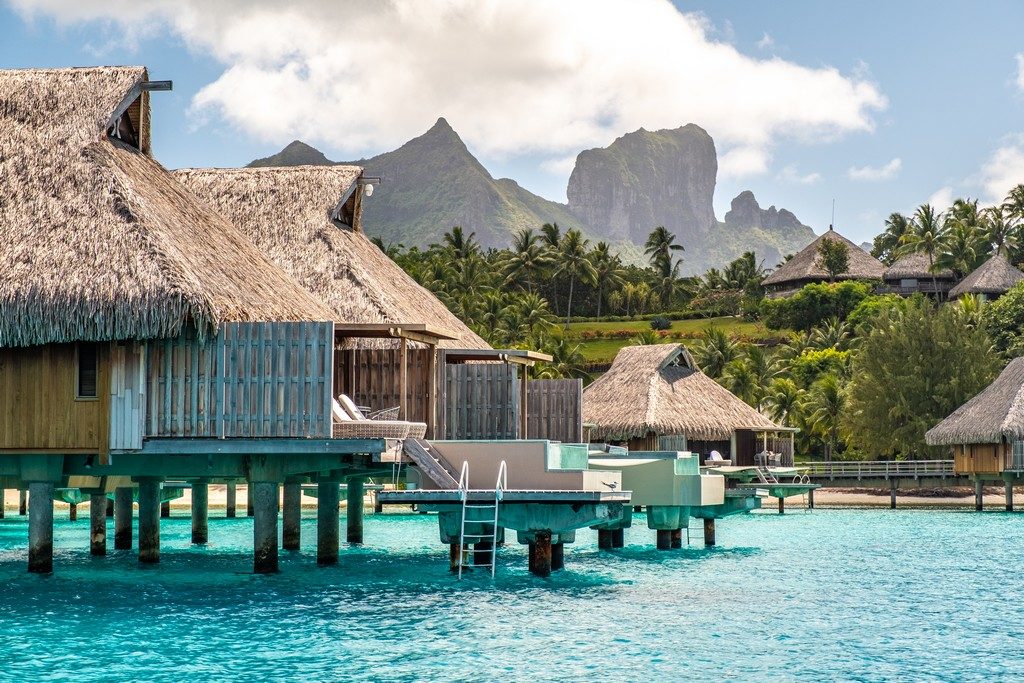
x: 482, y: 552
x: 1009, y: 495
x: 979, y: 495
x: 893, y: 485
x: 454, y: 557
x: 73, y: 512
x: 540, y: 556
x: 782, y: 505
x: 810, y: 499
x: 664, y: 538
x: 709, y: 532
x: 22, y: 502
x: 165, y: 510
x: 264, y: 494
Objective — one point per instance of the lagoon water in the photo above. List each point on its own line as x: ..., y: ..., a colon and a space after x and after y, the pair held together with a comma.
x: 867, y: 595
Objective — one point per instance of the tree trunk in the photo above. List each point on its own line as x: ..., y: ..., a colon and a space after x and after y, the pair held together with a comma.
x: 600, y: 295
x: 568, y: 306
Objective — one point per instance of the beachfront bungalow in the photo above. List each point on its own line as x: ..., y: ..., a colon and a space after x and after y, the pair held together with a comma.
x: 655, y: 398
x: 805, y: 267
x: 143, y: 337
x: 913, y: 274
x: 990, y: 280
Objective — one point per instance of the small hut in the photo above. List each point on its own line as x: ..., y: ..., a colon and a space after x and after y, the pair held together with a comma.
x: 913, y: 274
x: 655, y: 398
x: 990, y: 280
x: 805, y: 267
x: 987, y: 432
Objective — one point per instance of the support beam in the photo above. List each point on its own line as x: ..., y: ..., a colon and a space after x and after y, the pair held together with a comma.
x: 149, y: 520
x: 200, y: 512
x: 3, y: 501
x: 524, y: 389
x: 893, y: 485
x: 979, y: 495
x: 540, y: 554
x: 354, y: 511
x: 165, y: 509
x: 264, y: 496
x: 248, y: 500
x: 677, y: 539
x: 454, y: 557
x: 810, y: 499
x: 98, y: 524
x: 604, y: 539
x: 1009, y: 495
x: 403, y: 381
x: 292, y: 533
x: 782, y: 505
x: 709, y: 532
x: 482, y: 552
x: 618, y: 538
x: 664, y: 539
x: 110, y: 508
x: 230, y: 498
x: 40, y: 528
x: 557, y: 556
x: 123, y: 518
x: 73, y: 512
x: 22, y: 502
x: 327, y: 523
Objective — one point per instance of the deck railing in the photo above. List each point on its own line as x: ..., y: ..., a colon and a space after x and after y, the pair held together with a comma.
x: 878, y: 468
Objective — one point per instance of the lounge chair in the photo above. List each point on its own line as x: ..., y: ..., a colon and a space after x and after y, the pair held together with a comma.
x: 715, y: 459
x: 350, y: 422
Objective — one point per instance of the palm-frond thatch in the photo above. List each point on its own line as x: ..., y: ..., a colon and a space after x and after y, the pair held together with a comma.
x: 915, y: 265
x: 287, y: 213
x: 659, y: 389
x: 97, y: 241
x: 994, y: 277
x: 804, y: 267
x: 995, y: 413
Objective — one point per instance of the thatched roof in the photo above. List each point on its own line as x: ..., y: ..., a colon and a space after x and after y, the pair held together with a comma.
x: 97, y: 241
x: 915, y: 265
x: 658, y: 388
x: 996, y: 412
x: 994, y: 276
x: 804, y: 265
x: 287, y: 213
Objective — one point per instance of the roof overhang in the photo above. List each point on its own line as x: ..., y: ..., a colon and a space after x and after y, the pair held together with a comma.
x: 418, y: 332
x: 517, y: 356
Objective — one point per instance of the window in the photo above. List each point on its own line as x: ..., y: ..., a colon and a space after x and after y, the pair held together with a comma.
x: 908, y: 283
x: 87, y: 371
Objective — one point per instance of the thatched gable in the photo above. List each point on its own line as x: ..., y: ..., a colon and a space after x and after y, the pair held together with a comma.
x: 994, y: 277
x: 658, y: 388
x: 97, y: 241
x: 915, y: 266
x: 287, y: 213
x: 995, y: 413
x: 804, y: 266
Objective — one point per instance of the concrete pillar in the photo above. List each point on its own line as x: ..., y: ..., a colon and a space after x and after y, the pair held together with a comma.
x: 200, y: 512
x: 123, y: 518
x: 73, y: 512
x: 248, y: 500
x: 482, y: 552
x: 893, y: 485
x: 378, y: 507
x: 979, y: 493
x: 638, y: 508
x: 327, y: 523
x: 264, y: 503
x: 810, y: 499
x: 110, y: 508
x: 354, y: 513
x: 22, y: 502
x: 165, y: 509
x: 230, y: 498
x: 3, y: 502
x: 149, y: 520
x: 677, y: 539
x: 664, y: 539
x: 604, y: 539
x: 40, y: 528
x: 618, y: 538
x: 782, y: 505
x: 454, y: 557
x: 98, y: 524
x: 291, y: 536
x: 557, y: 556
x: 1009, y: 495
x: 540, y: 554
x: 709, y: 532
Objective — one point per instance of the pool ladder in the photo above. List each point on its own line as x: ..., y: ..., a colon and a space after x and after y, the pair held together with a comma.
x: 499, y: 489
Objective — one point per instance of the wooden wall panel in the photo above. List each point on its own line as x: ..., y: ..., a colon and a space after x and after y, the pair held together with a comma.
x: 554, y: 409
x: 370, y: 377
x: 127, y: 395
x: 38, y: 407
x: 481, y: 402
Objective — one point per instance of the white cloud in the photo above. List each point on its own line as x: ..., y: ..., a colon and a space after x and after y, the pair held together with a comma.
x: 942, y: 198
x: 874, y: 173
x: 531, y: 76
x: 790, y: 174
x: 766, y: 42
x: 741, y: 162
x: 1004, y: 170
x: 1020, y: 70
x: 559, y: 166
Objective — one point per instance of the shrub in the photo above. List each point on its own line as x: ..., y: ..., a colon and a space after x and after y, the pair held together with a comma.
x: 813, y: 364
x: 660, y: 323
x: 814, y: 304
x: 1004, y: 320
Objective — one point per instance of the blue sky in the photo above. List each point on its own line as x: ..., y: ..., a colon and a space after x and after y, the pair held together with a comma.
x: 926, y: 99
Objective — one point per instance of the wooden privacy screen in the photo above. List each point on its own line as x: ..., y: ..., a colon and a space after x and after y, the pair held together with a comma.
x: 481, y: 401
x: 554, y: 409
x: 251, y: 380
x: 127, y: 395
x: 371, y: 378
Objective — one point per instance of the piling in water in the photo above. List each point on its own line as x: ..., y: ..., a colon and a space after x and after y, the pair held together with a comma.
x: 540, y: 554
x: 40, y: 528
x: 677, y: 538
x: 292, y: 517
x: 557, y: 556
x: 664, y: 539
x: 149, y: 520
x: 200, y: 512
x: 618, y: 538
x: 73, y: 512
x: 327, y: 523
x: 482, y: 552
x: 98, y: 524
x: 264, y: 496
x: 230, y: 498
x: 354, y: 511
x: 604, y: 539
x: 123, y: 518
x: 709, y: 532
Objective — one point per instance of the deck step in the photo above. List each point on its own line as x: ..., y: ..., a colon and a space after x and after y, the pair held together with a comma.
x: 419, y: 451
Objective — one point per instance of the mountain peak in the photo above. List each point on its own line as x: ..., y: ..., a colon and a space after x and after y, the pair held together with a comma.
x: 296, y: 153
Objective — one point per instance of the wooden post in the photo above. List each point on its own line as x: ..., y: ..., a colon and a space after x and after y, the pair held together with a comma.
x: 893, y: 485
x: 782, y: 505
x: 431, y: 392
x: 97, y: 524
x: 264, y: 495
x: 1009, y: 495
x: 604, y: 539
x: 123, y: 518
x: 327, y: 522
x: 354, y: 509
x: 40, y: 528
x: 3, y: 501
x: 979, y: 495
x: 230, y: 498
x: 22, y: 502
x: 540, y: 554
x: 664, y: 537
x: 403, y: 380
x: 709, y: 532
x: 557, y: 556
x: 618, y: 538
x: 248, y: 500
x: 677, y: 538
x: 73, y: 512
x: 524, y: 390
x: 200, y: 512
x: 291, y: 535
x: 810, y: 499
x: 149, y: 520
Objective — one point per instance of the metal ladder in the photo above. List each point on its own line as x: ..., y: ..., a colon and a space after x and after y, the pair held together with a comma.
x: 766, y: 476
x: 499, y: 492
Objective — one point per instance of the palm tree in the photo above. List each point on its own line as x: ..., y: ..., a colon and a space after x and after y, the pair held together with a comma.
x: 528, y: 261
x: 610, y: 273
x: 669, y: 284
x: 739, y: 378
x: 645, y: 338
x: 567, y: 361
x: 659, y: 246
x: 825, y: 405
x: 765, y: 367
x: 572, y: 254
x: 961, y: 250
x: 831, y: 334
x: 886, y: 245
x: 461, y: 246
x: 928, y: 229
x: 714, y: 351
x: 391, y: 250
x: 492, y: 311
x: 1003, y: 227
x: 551, y: 234
x: 533, y: 313
x: 1014, y: 204
x: 784, y: 400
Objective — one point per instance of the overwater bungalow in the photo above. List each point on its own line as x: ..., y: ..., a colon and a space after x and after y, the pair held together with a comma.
x: 990, y: 280
x: 987, y: 433
x: 805, y: 267
x: 913, y: 274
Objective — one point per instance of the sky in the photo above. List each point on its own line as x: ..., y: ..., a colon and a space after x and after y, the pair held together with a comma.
x: 877, y: 106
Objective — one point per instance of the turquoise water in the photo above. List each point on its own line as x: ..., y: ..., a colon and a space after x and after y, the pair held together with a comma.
x: 868, y: 595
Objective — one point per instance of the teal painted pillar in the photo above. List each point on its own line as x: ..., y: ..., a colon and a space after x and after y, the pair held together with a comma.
x: 40, y: 528
x: 149, y: 520
x: 264, y: 504
x: 123, y: 518
x: 200, y: 512
x: 98, y: 524
x: 230, y: 498
x: 328, y: 527
x: 291, y: 535
x: 354, y: 511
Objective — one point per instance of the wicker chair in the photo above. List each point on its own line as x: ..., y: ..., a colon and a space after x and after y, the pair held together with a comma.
x: 349, y: 423
x: 417, y: 430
